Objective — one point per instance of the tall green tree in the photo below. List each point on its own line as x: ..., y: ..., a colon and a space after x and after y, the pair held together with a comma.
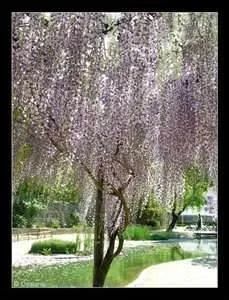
x: 34, y: 195
x: 30, y: 198
x: 196, y: 184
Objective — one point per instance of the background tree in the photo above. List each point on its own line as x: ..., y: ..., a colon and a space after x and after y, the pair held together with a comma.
x: 31, y: 197
x: 196, y: 184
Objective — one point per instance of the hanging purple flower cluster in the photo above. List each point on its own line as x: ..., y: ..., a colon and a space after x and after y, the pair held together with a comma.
x: 80, y: 107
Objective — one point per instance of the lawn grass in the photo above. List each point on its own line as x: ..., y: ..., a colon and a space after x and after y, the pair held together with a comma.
x: 124, y: 269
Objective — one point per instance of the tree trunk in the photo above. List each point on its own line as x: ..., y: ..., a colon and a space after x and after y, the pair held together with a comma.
x: 110, y: 254
x: 101, y: 271
x: 102, y: 263
x: 173, y: 222
x: 98, y: 278
x: 175, y: 215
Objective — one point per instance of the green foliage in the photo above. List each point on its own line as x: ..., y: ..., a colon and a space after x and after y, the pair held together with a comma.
x: 29, y: 199
x: 164, y: 235
x: 137, y: 232
x: 53, y: 223
x: 124, y: 269
x: 83, y: 245
x: 196, y: 183
x: 153, y: 214
x: 72, y: 220
x: 17, y: 114
x: 65, y: 192
x: 22, y: 155
x: 33, y: 195
x: 46, y: 251
x: 19, y: 220
x: 54, y: 246
x: 128, y: 267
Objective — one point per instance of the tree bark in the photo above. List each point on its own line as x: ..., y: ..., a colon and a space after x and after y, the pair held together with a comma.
x: 106, y: 263
x: 102, y: 263
x: 175, y: 215
x: 98, y: 279
x: 173, y: 222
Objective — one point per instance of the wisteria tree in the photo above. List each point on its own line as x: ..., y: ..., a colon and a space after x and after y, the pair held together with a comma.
x: 98, y: 93
x: 193, y: 131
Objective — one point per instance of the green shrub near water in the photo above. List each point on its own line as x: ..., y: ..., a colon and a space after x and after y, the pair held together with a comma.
x: 34, y: 195
x: 124, y: 269
x: 55, y: 246
x: 164, y: 235
x: 153, y: 213
x: 29, y: 199
x: 139, y: 232
x: 83, y: 246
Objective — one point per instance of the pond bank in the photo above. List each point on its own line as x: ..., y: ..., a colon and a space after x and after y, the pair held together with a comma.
x: 125, y: 269
x: 197, y: 272
x: 20, y: 256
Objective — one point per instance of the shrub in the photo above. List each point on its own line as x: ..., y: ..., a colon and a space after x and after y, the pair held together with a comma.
x: 53, y: 223
x: 46, y: 251
x: 33, y: 196
x: 19, y: 221
x: 38, y: 225
x: 164, y: 235
x: 72, y: 220
x: 29, y: 199
x: 137, y: 232
x: 153, y: 214
x: 53, y: 246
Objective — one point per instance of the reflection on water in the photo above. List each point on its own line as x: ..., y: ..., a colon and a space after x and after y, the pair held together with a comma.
x: 208, y: 246
x: 137, y: 259
x: 127, y: 267
x: 204, y: 245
